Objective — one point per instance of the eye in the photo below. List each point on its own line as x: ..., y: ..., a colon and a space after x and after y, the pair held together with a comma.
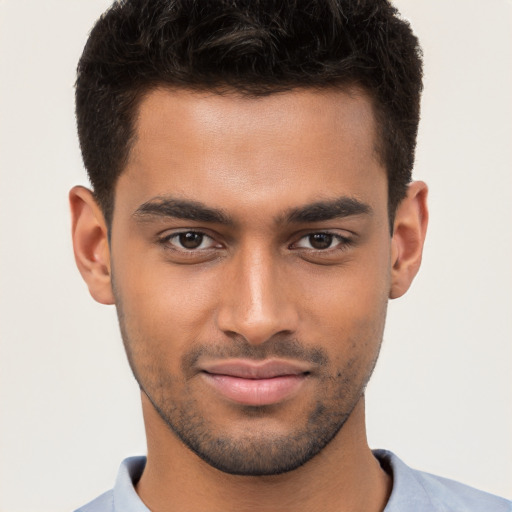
x: 321, y: 241
x: 189, y: 241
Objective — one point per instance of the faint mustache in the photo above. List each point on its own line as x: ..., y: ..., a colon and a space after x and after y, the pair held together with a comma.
x: 239, y: 348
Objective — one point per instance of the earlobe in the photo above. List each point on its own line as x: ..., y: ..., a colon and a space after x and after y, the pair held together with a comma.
x: 90, y: 244
x: 410, y: 227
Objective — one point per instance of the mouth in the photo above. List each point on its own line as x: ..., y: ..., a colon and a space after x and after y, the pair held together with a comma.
x: 255, y: 383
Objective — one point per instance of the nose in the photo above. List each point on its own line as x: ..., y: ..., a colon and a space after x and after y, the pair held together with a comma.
x: 257, y: 302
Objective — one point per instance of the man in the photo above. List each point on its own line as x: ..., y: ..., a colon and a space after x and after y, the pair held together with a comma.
x: 252, y: 213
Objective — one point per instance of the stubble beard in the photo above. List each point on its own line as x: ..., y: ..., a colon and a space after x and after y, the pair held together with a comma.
x: 254, y: 453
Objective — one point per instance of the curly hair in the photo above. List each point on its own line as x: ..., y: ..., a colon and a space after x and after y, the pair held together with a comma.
x: 253, y: 47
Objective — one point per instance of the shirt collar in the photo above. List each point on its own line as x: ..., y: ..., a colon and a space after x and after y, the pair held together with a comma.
x: 126, y: 498
x: 407, y: 492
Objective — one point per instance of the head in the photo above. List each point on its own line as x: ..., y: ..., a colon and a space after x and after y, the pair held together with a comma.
x: 251, y: 213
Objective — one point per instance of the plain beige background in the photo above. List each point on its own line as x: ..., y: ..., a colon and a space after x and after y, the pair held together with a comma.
x: 441, y: 396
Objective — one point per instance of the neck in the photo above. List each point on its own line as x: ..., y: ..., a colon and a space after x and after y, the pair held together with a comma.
x: 344, y: 476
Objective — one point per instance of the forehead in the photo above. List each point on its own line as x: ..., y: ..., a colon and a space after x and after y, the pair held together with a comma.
x: 318, y: 117
x: 276, y: 150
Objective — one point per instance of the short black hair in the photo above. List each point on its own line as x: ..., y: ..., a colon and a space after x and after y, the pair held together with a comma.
x: 253, y: 47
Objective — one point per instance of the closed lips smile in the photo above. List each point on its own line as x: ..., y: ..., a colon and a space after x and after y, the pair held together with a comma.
x: 256, y: 384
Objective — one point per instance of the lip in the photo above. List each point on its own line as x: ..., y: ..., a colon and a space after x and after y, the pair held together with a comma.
x: 255, y: 383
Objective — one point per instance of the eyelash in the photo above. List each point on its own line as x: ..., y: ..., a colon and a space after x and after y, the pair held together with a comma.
x: 343, y: 242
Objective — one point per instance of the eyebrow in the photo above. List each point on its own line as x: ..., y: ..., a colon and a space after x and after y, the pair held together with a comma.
x: 163, y: 207
x: 328, y: 210
x: 181, y: 209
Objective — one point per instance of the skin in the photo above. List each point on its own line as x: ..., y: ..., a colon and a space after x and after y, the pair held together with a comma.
x: 258, y: 287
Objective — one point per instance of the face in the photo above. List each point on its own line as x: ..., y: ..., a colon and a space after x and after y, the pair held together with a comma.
x: 250, y: 258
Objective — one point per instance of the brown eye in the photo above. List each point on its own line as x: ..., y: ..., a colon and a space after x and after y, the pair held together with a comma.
x: 320, y: 240
x: 190, y: 240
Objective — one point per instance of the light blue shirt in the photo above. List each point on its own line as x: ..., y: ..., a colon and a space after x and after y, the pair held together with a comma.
x: 413, y: 491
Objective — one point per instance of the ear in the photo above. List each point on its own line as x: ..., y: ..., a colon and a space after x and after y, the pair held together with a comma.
x: 410, y: 227
x: 90, y: 244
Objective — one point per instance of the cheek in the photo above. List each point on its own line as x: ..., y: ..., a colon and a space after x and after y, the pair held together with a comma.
x: 356, y: 292
x: 167, y: 308
x: 347, y: 311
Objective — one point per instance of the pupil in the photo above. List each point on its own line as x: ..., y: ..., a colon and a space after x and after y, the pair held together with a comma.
x: 191, y: 240
x: 320, y: 240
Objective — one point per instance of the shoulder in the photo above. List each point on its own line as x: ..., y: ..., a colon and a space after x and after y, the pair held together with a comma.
x: 103, y: 503
x: 420, y: 491
x: 456, y: 496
